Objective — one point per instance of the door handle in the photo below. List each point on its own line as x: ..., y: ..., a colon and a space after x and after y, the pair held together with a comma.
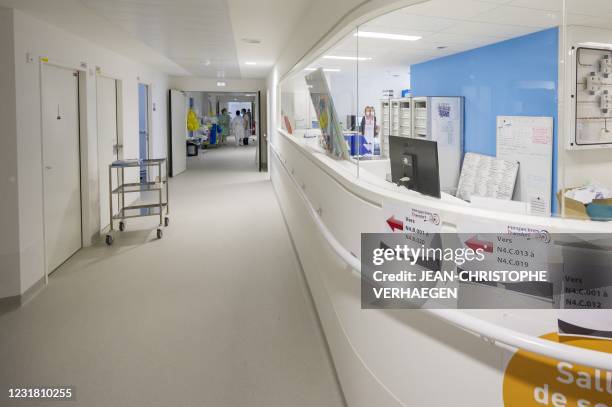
x: 48, y: 167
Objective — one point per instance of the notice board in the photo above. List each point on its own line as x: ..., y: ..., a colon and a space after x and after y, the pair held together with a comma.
x: 528, y: 140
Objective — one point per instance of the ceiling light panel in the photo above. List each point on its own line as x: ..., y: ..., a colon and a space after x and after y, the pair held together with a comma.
x: 387, y: 36
x: 345, y: 58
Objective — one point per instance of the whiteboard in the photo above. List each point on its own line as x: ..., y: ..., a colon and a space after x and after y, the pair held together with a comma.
x: 528, y: 140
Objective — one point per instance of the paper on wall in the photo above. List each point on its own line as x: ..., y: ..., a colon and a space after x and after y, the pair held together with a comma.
x: 486, y: 176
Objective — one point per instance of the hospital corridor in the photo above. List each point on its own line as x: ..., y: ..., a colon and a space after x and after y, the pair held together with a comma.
x: 216, y: 313
x: 306, y: 203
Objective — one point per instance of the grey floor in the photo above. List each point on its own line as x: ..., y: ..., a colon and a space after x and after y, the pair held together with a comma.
x: 214, y: 314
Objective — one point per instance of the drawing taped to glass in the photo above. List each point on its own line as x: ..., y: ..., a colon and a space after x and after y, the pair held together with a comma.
x: 332, y: 139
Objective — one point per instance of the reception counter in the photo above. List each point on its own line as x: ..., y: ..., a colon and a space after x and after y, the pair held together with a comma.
x: 463, y: 358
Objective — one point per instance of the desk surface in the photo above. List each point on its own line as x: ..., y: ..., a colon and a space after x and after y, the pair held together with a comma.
x: 365, y: 180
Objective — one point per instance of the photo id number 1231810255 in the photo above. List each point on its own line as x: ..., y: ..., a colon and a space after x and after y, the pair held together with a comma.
x: 42, y: 393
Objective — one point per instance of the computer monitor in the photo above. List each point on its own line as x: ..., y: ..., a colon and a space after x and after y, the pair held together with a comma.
x: 414, y: 164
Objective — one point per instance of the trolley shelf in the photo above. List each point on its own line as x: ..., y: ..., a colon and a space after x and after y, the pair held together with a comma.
x: 141, y: 210
x: 139, y: 187
x: 138, y: 163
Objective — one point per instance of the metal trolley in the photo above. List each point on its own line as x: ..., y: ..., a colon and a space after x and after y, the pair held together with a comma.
x: 159, y: 208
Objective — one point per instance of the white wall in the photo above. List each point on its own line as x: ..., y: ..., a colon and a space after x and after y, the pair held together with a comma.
x: 9, y: 225
x: 352, y: 95
x: 191, y: 83
x: 42, y: 40
x: 373, y: 79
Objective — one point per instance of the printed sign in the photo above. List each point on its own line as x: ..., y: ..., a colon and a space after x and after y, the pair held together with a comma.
x: 405, y: 218
x: 538, y: 381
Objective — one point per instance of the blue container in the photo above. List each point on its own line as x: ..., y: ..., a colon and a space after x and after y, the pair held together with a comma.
x: 363, y: 149
x: 350, y: 141
x: 599, y: 211
x: 214, y: 129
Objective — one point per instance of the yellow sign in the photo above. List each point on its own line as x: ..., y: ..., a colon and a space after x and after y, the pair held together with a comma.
x: 537, y: 381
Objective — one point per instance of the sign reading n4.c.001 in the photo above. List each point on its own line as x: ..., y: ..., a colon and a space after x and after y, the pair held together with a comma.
x: 536, y: 381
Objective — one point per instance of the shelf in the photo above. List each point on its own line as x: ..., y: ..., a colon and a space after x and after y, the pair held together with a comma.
x: 139, y: 187
x: 137, y: 163
x: 136, y: 211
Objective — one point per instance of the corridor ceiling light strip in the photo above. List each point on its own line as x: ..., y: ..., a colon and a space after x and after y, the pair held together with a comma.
x: 385, y: 36
x: 597, y: 44
x: 221, y: 84
x: 250, y: 63
x: 347, y: 58
x: 324, y: 69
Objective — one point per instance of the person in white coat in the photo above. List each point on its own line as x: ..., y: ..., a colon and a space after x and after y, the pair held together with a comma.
x: 237, y: 126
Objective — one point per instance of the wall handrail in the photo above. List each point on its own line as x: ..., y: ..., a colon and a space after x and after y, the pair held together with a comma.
x: 492, y: 333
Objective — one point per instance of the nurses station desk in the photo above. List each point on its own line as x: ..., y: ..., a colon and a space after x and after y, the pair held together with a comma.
x: 327, y: 204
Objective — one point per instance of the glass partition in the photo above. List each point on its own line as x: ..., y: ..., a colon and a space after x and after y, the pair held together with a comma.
x: 495, y: 106
x: 319, y: 104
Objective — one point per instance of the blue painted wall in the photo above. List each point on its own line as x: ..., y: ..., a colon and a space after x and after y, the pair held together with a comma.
x: 517, y: 77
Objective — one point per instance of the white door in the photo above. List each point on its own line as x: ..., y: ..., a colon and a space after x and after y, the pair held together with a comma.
x: 61, y: 163
x: 108, y: 142
x: 178, y: 143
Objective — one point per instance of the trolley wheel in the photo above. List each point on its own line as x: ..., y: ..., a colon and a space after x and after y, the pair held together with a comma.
x: 159, y: 233
x: 166, y: 221
x: 109, y: 240
x: 122, y: 226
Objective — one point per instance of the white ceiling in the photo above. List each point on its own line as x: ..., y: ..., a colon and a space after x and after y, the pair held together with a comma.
x: 460, y: 25
x: 181, y: 37
x: 196, y: 35
x: 205, y: 37
x: 74, y: 16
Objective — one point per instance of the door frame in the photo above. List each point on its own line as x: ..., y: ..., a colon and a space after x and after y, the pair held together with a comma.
x: 119, y: 105
x: 259, y: 135
x: 82, y: 139
x: 120, y: 134
x: 149, y: 84
x: 150, y: 110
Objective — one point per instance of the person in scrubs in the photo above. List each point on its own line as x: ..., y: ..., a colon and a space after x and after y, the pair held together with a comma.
x: 368, y: 128
x: 224, y: 122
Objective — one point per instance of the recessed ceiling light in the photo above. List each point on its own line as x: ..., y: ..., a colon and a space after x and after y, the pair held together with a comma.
x: 250, y: 63
x: 324, y: 69
x: 251, y: 40
x: 386, y: 36
x: 221, y: 84
x: 340, y: 57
